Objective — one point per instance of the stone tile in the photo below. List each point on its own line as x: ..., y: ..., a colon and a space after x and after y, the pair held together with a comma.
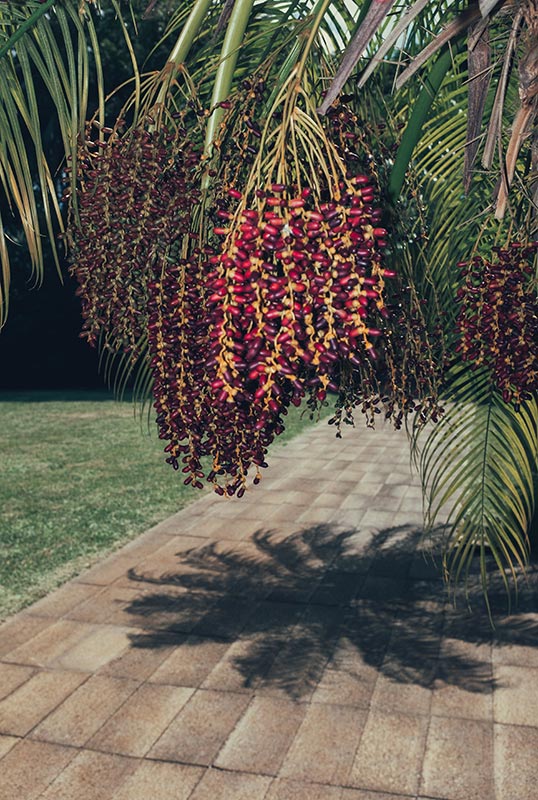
x: 6, y: 743
x: 282, y: 789
x: 139, y: 722
x: 274, y: 618
x: 90, y: 776
x: 390, y: 753
x: 354, y: 472
x: 515, y: 750
x: 302, y: 483
x: 176, y: 525
x: 226, y: 619
x: 206, y: 528
x: 103, y: 605
x: 235, y: 530
x: 166, y: 559
x: 191, y: 662
x: 102, y: 645
x: 410, y: 505
x: 303, y: 655
x: 379, y: 519
x: 360, y: 794
x: 231, y: 509
x: 20, y: 629
x: 294, y: 588
x: 458, y: 764
x: 317, y: 514
x: 167, y: 610
x: 85, y: 711
x: 413, y: 491
x: 12, y: 676
x: 516, y: 640
x: 365, y: 634
x: 152, y: 539
x: 393, y: 695
x: 287, y: 512
x: 515, y: 700
x: 337, y: 588
x: 260, y: 512
x: 393, y: 491
x: 515, y: 655
x: 139, y: 663
x: 239, y: 669
x: 262, y: 738
x: 109, y: 570
x: 404, y: 476
x: 29, y: 767
x: 325, y: 745
x: 200, y: 729
x: 425, y: 568
x: 453, y: 700
x: 352, y: 687
x: 155, y: 779
x: 465, y: 663
x: 385, y: 502
x: 231, y: 786
x: 49, y: 644
x: 281, y: 497
x: 330, y: 499
x: 24, y: 708
x: 379, y: 589
x: 354, y: 558
x: 63, y: 600
x: 342, y: 486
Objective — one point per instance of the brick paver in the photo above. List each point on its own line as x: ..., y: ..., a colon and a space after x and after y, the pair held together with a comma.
x: 295, y: 645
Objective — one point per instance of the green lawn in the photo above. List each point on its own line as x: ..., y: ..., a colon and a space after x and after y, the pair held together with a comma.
x: 80, y: 474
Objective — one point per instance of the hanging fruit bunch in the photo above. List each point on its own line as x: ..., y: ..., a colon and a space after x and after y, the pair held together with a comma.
x: 411, y: 358
x: 294, y: 295
x: 498, y: 319
x: 137, y: 192
x: 267, y: 288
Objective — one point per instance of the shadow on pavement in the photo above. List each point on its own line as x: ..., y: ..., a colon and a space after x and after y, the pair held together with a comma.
x: 295, y: 604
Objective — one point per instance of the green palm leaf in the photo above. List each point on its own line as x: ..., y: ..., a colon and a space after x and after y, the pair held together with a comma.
x: 478, y: 470
x: 47, y: 50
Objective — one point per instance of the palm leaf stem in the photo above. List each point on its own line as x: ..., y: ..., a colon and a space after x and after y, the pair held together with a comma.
x: 320, y: 10
x: 295, y: 51
x: 225, y: 73
x: 183, y: 44
x: 421, y: 108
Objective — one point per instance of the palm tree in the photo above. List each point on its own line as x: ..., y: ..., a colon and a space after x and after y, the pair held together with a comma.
x: 258, y: 169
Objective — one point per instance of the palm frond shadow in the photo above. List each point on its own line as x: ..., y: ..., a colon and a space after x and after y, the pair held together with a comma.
x: 323, y: 600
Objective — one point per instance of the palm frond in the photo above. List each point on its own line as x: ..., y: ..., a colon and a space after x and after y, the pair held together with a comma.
x: 46, y: 52
x: 478, y: 470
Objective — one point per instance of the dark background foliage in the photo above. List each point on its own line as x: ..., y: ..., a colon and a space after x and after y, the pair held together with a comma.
x: 40, y: 347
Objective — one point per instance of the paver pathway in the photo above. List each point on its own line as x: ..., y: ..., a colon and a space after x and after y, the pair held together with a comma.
x: 293, y: 645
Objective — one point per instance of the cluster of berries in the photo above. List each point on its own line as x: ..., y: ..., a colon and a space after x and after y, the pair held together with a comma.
x: 281, y: 299
x: 136, y: 196
x: 239, y: 334
x: 498, y: 319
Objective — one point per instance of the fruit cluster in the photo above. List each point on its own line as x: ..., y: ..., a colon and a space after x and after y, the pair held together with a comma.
x: 286, y: 298
x: 135, y: 200
x: 254, y: 297
x: 498, y: 319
